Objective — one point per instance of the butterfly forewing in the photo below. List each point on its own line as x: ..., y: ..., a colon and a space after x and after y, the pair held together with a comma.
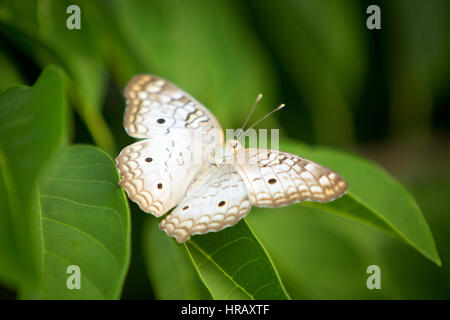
x: 275, y: 178
x: 155, y: 107
x: 157, y: 172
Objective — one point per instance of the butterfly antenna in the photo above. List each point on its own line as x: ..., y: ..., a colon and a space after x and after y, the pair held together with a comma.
x: 281, y: 106
x: 257, y: 100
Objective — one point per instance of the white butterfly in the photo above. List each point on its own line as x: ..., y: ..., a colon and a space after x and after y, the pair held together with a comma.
x: 169, y: 168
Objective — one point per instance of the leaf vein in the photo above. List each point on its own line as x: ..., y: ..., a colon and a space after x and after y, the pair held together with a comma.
x: 223, y: 271
x: 82, y: 204
x: 262, y: 287
x: 81, y: 180
x: 68, y: 263
x: 86, y: 234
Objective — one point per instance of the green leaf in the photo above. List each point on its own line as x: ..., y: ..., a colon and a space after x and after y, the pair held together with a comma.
x: 79, y: 53
x: 233, y: 264
x: 374, y: 197
x: 10, y: 75
x: 169, y: 266
x: 322, y: 256
x: 32, y: 128
x: 307, y: 244
x: 82, y: 219
x: 11, y: 271
x: 40, y: 30
x: 431, y: 192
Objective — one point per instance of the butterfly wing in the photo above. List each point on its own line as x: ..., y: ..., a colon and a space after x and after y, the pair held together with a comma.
x: 216, y: 200
x: 157, y: 172
x: 155, y: 107
x: 275, y: 178
x: 182, y: 131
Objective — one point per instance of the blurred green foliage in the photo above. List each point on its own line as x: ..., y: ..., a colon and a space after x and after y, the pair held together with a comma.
x: 367, y: 91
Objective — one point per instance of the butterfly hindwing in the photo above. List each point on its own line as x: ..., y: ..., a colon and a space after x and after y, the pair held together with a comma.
x: 216, y: 200
x: 157, y: 172
x: 274, y: 178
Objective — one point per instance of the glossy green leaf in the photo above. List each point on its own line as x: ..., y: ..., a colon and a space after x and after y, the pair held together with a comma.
x: 321, y: 256
x: 82, y: 219
x: 430, y: 281
x: 40, y: 28
x: 169, y: 266
x: 32, y: 128
x: 233, y: 264
x: 374, y: 197
x: 79, y: 52
x: 325, y: 257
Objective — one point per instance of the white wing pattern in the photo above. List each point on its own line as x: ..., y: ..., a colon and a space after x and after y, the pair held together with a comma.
x: 217, y: 199
x: 169, y: 167
x: 156, y: 173
x: 275, y: 178
x: 156, y: 107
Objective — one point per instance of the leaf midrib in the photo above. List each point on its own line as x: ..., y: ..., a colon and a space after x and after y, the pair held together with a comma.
x: 207, y: 256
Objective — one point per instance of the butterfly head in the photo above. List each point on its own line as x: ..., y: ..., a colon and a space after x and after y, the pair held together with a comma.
x: 224, y: 153
x: 233, y: 146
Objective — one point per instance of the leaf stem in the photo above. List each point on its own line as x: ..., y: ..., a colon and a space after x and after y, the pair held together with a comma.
x: 99, y: 130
